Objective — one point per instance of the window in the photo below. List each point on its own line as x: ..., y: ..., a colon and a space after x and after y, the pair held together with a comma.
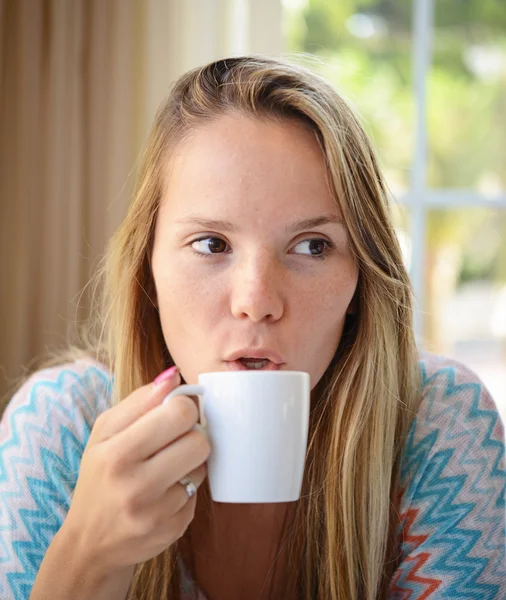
x: 429, y: 80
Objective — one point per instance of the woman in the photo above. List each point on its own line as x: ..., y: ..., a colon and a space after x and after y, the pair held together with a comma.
x: 260, y: 221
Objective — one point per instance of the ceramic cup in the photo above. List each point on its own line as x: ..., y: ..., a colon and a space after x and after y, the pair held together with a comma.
x: 257, y: 423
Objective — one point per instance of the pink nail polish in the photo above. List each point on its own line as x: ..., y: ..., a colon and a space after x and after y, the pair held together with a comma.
x: 165, y: 376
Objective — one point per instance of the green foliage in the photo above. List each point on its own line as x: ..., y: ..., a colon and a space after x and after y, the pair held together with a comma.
x: 466, y: 14
x: 366, y: 49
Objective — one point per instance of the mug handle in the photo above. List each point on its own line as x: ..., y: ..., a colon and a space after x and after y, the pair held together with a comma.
x: 191, y: 390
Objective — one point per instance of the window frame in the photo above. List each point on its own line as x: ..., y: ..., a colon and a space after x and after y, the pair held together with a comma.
x: 420, y: 197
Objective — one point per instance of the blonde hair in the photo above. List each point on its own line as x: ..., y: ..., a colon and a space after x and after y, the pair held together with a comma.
x: 342, y: 540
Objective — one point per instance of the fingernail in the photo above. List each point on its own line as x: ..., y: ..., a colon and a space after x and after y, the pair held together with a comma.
x: 165, y: 376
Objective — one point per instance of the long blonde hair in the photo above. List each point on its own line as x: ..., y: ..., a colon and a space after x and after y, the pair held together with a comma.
x: 343, y: 534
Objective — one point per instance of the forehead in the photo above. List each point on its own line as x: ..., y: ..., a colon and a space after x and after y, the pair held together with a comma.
x: 239, y: 163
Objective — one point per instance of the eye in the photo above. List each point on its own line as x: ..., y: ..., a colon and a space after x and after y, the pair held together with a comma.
x: 213, y: 245
x: 318, y: 248
x: 207, y: 246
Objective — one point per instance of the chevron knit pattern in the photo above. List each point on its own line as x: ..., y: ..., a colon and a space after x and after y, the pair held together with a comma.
x: 452, y: 534
x: 452, y: 531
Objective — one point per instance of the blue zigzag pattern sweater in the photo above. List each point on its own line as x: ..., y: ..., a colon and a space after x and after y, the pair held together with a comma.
x: 451, y: 534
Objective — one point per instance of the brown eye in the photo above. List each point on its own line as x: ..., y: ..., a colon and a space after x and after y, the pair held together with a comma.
x: 317, y: 247
x: 209, y: 245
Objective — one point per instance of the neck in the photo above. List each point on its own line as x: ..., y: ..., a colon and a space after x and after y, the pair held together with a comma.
x: 238, y: 525
x: 240, y: 550
x: 228, y: 533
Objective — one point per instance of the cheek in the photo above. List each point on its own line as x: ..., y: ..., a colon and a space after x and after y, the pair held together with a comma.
x: 329, y: 300
x: 174, y: 279
x: 184, y: 315
x: 185, y: 299
x: 320, y: 322
x: 321, y: 313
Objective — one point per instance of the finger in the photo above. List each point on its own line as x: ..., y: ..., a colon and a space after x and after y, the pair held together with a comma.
x: 158, y: 428
x: 168, y: 466
x: 185, y: 516
x: 134, y: 406
x: 197, y: 477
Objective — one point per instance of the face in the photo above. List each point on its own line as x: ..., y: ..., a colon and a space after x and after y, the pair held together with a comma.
x: 250, y: 258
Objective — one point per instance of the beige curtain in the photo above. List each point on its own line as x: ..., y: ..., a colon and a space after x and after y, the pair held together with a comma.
x: 80, y: 81
x: 70, y: 128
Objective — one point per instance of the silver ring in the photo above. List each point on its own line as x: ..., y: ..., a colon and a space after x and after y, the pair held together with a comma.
x: 189, y: 486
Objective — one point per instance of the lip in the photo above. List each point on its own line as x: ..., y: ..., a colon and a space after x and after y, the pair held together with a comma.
x: 236, y: 365
x: 255, y: 353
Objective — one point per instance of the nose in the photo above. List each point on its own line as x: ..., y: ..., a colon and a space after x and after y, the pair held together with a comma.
x: 256, y: 290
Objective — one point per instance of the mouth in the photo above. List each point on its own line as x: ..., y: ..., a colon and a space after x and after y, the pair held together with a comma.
x: 252, y: 364
x: 250, y: 358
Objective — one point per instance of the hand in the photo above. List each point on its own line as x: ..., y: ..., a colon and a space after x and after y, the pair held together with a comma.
x: 128, y: 506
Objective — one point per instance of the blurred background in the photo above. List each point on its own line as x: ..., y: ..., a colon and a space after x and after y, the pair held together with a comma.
x: 80, y: 81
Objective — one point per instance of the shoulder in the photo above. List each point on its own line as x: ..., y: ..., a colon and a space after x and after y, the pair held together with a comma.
x: 456, y: 417
x: 43, y: 433
x: 455, y: 448
x: 447, y: 380
x: 454, y: 403
x: 71, y: 390
x: 55, y: 403
x: 54, y: 410
x: 452, y: 512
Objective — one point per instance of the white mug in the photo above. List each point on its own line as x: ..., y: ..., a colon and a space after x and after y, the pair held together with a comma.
x: 257, y: 423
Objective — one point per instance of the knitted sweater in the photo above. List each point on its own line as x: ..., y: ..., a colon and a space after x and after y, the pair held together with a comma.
x: 452, y: 533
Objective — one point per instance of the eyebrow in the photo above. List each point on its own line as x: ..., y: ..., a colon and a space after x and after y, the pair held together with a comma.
x: 231, y: 228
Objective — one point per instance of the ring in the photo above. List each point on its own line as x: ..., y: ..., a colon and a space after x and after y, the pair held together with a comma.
x: 189, y: 486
